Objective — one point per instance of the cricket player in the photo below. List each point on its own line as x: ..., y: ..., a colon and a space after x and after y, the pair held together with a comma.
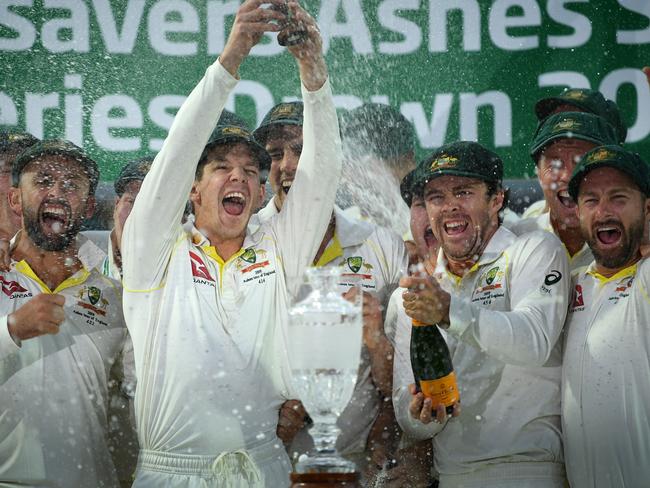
x: 61, y: 328
x: 206, y: 304
x: 557, y: 145
x: 373, y: 255
x: 576, y: 100
x: 127, y: 186
x: 502, y: 301
x: 605, y: 391
x: 12, y: 143
x: 413, y: 461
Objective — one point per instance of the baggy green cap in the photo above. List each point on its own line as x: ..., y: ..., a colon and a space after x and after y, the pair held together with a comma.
x: 463, y: 158
x: 286, y: 113
x: 56, y: 147
x: 378, y: 129
x: 614, y: 157
x: 587, y: 100
x: 232, y: 128
x: 11, y: 140
x: 134, y: 170
x: 572, y: 125
x: 406, y: 187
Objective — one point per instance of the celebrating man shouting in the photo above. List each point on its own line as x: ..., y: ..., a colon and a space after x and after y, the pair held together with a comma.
x: 206, y: 303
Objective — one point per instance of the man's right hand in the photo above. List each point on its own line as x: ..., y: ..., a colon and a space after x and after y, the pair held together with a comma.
x: 42, y: 315
x: 309, y: 53
x: 251, y: 22
x: 421, y: 408
x: 291, y: 420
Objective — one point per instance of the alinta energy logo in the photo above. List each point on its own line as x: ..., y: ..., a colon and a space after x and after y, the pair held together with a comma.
x: 13, y: 289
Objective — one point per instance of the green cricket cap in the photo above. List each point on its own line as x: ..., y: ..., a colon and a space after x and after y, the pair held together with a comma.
x: 612, y: 156
x: 56, y: 147
x: 232, y: 128
x: 406, y: 187
x: 285, y: 113
x: 572, y: 125
x: 586, y: 100
x: 378, y: 129
x: 134, y: 170
x: 463, y: 158
x: 13, y: 140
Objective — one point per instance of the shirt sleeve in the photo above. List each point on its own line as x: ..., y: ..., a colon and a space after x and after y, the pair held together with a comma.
x: 7, y: 344
x: 306, y: 213
x: 154, y: 225
x: 539, y: 286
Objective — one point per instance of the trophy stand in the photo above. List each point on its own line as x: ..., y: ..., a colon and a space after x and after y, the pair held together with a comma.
x: 324, y: 340
x: 324, y: 480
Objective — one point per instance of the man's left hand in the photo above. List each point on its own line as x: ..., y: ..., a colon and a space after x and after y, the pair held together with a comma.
x: 425, y: 301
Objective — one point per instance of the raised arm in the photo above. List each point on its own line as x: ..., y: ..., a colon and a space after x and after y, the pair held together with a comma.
x: 154, y: 225
x: 307, y: 211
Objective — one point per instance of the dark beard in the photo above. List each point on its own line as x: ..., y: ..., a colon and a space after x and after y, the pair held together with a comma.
x: 630, y: 242
x: 57, y: 242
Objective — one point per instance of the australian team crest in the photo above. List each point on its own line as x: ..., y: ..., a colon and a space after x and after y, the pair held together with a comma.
x: 491, y: 274
x: 575, y: 95
x: 94, y: 294
x: 443, y: 161
x: 249, y: 255
x: 566, y: 124
x: 355, y: 263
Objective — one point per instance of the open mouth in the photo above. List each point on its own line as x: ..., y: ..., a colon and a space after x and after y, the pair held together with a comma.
x: 55, y: 218
x: 565, y: 199
x: 455, y: 227
x: 608, y: 235
x: 234, y: 203
x: 429, y: 238
x: 286, y: 186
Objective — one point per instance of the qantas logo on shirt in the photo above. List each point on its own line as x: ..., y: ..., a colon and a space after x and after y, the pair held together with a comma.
x: 578, y: 299
x: 13, y: 289
x: 199, y: 269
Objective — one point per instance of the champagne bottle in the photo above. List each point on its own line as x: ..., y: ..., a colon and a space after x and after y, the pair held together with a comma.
x: 432, y: 367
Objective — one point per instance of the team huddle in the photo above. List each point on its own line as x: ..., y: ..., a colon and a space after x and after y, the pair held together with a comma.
x: 161, y: 361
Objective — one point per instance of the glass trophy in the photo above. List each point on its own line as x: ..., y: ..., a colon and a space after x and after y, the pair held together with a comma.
x: 325, y: 335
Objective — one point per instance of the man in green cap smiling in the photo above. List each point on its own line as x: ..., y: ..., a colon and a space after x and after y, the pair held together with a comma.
x: 61, y: 328
x: 558, y: 143
x: 501, y: 300
x: 606, y: 395
x: 577, y: 100
x: 206, y: 302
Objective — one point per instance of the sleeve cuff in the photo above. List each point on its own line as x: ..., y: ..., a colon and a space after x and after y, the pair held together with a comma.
x: 224, y: 73
x: 461, y: 315
x: 313, y: 96
x: 7, y: 343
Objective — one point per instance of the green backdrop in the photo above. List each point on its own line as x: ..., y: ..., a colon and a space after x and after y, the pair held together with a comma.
x: 110, y: 74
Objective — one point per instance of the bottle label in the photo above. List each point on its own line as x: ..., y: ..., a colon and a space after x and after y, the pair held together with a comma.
x: 443, y: 390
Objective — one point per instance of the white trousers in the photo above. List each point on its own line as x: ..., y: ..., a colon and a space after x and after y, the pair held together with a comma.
x: 266, y: 465
x: 510, y: 475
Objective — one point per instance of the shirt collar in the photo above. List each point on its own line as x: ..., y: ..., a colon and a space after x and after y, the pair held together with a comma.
x: 90, y: 255
x: 499, y: 242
